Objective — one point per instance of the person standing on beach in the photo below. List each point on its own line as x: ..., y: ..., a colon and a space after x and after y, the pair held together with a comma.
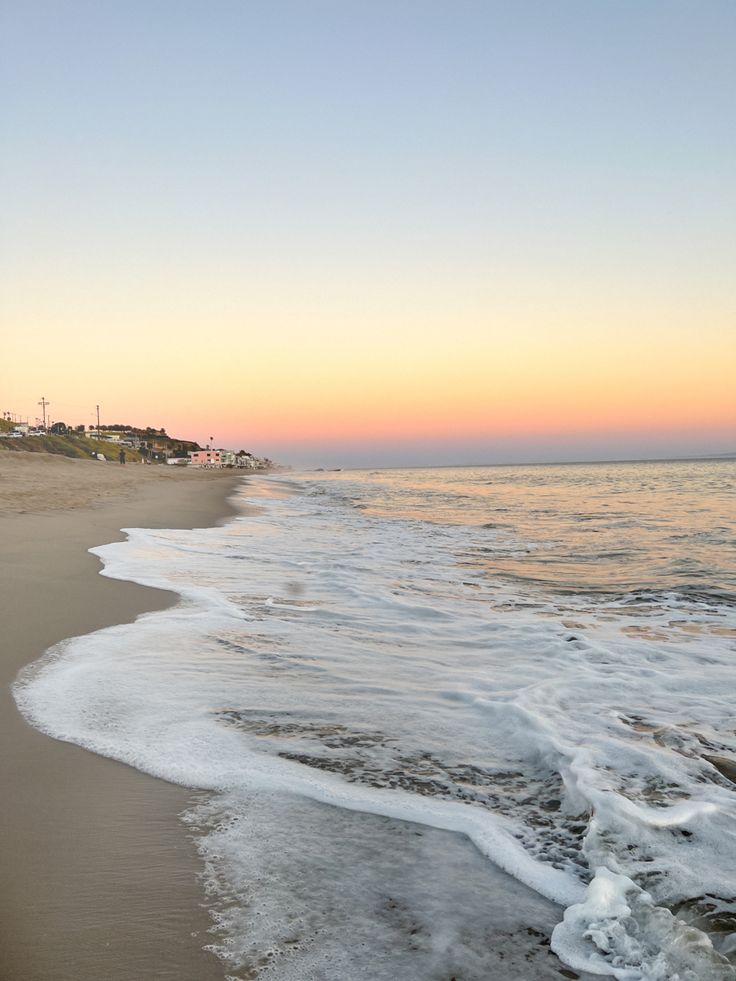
x: 121, y: 456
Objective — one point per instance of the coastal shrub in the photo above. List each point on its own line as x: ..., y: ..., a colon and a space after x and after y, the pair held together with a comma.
x: 78, y: 447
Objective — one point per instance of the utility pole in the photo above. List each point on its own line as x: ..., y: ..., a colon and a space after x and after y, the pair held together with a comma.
x: 43, y: 403
x: 98, y: 422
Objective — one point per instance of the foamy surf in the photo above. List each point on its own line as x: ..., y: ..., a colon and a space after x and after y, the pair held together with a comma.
x: 358, y: 647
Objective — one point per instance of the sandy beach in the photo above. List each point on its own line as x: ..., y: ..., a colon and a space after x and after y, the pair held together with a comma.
x: 99, y: 879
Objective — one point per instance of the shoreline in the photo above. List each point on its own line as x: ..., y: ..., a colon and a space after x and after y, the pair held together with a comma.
x: 99, y: 877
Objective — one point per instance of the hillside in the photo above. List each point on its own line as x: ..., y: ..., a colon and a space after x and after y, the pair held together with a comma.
x: 71, y: 445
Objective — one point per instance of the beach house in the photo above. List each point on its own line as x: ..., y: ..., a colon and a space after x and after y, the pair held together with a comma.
x: 205, y: 458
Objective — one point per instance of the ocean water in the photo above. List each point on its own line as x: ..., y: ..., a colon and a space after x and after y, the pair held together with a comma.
x: 448, y: 723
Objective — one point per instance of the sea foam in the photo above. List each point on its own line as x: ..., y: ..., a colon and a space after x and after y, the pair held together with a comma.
x: 336, y: 664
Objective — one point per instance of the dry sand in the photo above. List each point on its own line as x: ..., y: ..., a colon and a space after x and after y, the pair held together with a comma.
x: 98, y: 880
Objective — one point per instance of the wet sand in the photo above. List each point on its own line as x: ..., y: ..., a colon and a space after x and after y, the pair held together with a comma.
x: 99, y: 881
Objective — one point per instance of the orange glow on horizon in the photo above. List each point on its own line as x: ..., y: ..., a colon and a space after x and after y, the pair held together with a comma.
x: 397, y: 368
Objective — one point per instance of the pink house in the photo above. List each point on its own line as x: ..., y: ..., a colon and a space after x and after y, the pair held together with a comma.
x: 205, y: 458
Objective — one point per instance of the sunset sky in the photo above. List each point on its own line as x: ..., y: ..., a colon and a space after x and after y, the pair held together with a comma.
x: 365, y: 233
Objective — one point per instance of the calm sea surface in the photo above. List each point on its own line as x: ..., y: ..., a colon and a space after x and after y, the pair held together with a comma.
x: 471, y: 723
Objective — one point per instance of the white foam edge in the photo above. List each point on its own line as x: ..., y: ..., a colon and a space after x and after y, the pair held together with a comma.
x: 116, y: 566
x: 593, y: 936
x: 491, y: 834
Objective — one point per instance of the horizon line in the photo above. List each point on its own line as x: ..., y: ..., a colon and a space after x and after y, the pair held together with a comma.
x: 699, y: 458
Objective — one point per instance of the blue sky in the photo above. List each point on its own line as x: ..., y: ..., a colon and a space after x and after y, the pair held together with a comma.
x: 193, y: 174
